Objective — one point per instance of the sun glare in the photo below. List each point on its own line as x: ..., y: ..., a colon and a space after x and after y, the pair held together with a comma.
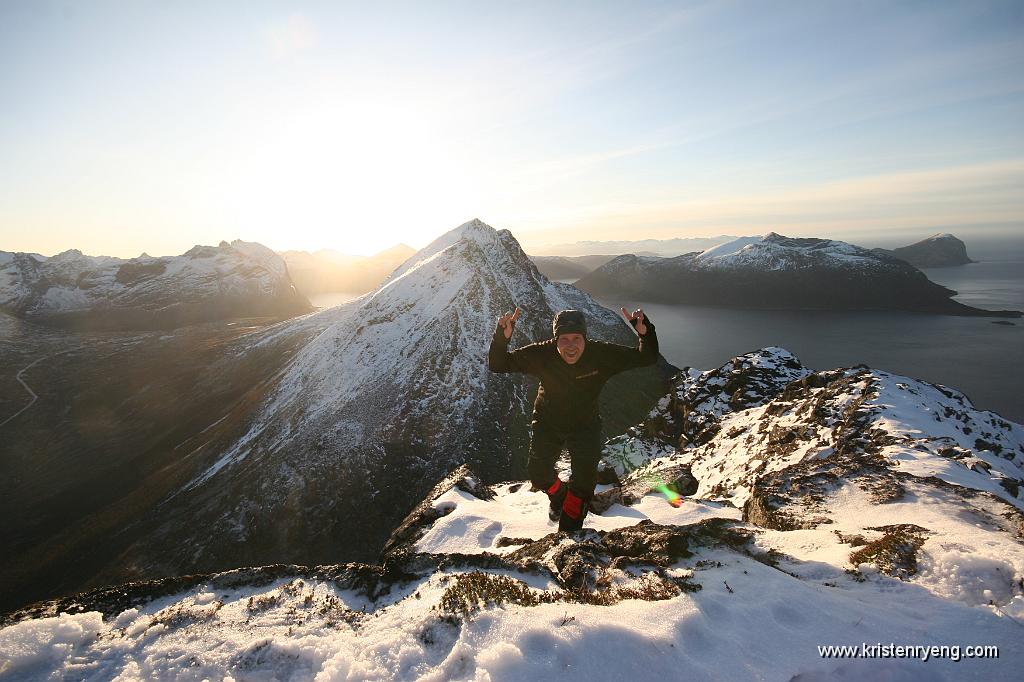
x: 357, y: 175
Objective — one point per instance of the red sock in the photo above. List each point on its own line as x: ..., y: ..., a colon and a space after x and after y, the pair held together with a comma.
x: 573, y: 505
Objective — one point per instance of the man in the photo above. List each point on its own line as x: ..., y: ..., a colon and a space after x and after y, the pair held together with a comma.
x: 572, y: 371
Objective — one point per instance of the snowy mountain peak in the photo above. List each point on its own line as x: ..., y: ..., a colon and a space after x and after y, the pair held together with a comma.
x: 731, y: 247
x: 476, y: 231
x: 104, y: 292
x: 259, y: 253
x: 774, y: 251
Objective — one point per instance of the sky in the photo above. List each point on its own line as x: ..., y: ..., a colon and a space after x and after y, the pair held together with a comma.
x: 157, y: 125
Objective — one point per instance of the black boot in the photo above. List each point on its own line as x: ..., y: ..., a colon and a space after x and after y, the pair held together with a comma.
x: 556, y: 493
x: 574, y: 510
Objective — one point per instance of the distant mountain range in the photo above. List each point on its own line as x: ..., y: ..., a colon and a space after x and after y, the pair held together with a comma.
x: 240, y: 279
x: 779, y: 272
x: 564, y: 268
x: 328, y: 271
x: 940, y: 250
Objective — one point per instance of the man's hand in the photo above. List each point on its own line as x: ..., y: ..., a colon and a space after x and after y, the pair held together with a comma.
x: 636, y: 319
x: 508, y: 322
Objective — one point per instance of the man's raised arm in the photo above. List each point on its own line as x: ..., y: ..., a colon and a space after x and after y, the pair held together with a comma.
x: 643, y: 355
x: 498, y: 357
x: 648, y: 337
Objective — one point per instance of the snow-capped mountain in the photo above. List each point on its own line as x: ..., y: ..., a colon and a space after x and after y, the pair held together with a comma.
x: 938, y: 251
x: 842, y: 508
x: 100, y: 292
x: 392, y: 392
x: 778, y: 272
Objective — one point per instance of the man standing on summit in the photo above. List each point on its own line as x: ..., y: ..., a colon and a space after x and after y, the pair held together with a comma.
x: 572, y: 371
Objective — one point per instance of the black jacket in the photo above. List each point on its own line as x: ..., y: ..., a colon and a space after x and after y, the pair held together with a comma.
x: 567, y: 395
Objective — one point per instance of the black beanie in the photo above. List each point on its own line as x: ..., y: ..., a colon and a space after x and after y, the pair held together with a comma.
x: 569, y: 322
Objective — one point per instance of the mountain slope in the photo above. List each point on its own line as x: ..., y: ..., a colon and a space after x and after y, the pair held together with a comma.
x: 777, y: 272
x: 206, y: 283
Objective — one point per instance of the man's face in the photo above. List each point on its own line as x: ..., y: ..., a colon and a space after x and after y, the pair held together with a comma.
x: 570, y: 347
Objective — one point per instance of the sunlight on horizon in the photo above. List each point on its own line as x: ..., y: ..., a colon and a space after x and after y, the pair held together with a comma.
x: 359, y: 175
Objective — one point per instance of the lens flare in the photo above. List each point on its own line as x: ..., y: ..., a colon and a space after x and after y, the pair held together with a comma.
x: 674, y: 498
x: 658, y: 483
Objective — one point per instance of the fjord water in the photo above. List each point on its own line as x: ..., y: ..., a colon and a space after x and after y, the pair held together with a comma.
x: 982, y: 359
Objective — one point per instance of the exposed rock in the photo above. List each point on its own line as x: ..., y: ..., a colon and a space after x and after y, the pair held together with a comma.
x: 895, y: 553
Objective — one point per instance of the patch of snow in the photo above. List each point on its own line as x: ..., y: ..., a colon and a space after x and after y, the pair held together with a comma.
x: 729, y: 248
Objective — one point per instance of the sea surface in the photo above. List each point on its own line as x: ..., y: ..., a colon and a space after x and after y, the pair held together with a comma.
x: 982, y: 359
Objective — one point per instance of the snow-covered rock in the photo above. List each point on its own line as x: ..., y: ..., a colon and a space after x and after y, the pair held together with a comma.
x: 100, y: 292
x: 884, y: 472
x: 778, y: 272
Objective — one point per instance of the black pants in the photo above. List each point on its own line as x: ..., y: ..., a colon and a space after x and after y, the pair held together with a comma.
x: 584, y: 446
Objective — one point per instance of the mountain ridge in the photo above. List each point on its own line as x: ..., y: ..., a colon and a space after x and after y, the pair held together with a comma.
x: 206, y: 283
x: 779, y: 272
